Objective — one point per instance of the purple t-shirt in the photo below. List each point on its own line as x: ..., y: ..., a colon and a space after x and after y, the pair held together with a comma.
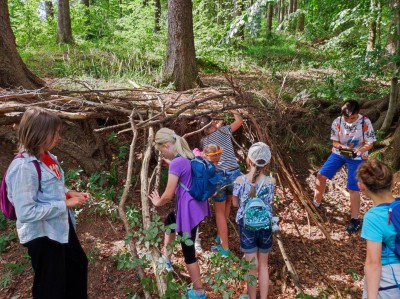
x: 189, y: 212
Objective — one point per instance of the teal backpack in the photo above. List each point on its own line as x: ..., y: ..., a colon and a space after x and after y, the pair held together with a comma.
x: 256, y: 214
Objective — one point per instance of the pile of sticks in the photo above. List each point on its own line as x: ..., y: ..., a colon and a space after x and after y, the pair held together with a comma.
x: 141, y: 111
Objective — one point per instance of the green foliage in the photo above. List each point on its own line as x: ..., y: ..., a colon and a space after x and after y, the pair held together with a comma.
x: 354, y: 275
x: 12, y: 269
x: 220, y: 270
x: 5, y: 239
x: 3, y: 221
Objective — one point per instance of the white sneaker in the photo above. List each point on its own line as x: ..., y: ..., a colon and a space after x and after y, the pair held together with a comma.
x: 197, y: 246
x: 168, y: 265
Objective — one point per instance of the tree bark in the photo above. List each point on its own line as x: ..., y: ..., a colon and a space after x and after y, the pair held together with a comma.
x: 157, y: 15
x: 180, y: 66
x: 392, y: 154
x: 13, y: 71
x: 269, y: 16
x: 394, y: 91
x: 291, y: 6
x: 238, y: 10
x: 372, y: 25
x: 282, y: 11
x: 49, y: 9
x: 300, y: 22
x: 64, y: 23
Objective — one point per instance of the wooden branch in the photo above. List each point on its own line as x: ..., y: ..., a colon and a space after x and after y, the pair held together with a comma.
x: 121, y: 206
x: 198, y: 131
x: 190, y: 106
x: 289, y: 265
x: 160, y: 279
x: 110, y: 128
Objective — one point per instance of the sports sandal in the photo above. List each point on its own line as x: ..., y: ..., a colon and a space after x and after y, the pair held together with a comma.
x: 218, y: 248
x: 194, y: 294
x: 354, y: 225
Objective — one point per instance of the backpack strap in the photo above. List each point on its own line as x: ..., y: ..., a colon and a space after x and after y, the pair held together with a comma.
x: 260, y: 186
x: 37, y: 167
x: 39, y: 172
x: 362, y: 128
x: 184, y: 186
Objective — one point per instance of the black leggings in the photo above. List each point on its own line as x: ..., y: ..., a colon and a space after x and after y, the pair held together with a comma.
x: 60, y: 269
x: 189, y: 252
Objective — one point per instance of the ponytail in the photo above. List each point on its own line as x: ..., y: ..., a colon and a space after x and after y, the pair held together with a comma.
x: 165, y: 135
x: 182, y: 147
x: 256, y: 174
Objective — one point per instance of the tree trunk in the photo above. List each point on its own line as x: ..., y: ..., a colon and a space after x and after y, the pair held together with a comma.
x: 282, y: 11
x: 157, y: 15
x: 85, y: 3
x: 294, y: 5
x: 13, y: 71
x: 64, y: 23
x: 269, y: 16
x: 291, y: 6
x: 392, y: 154
x: 238, y: 8
x: 394, y: 91
x: 49, y: 9
x: 300, y: 22
x: 180, y: 65
x: 372, y: 25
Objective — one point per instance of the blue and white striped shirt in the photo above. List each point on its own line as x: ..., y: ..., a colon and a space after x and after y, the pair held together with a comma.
x: 222, y: 138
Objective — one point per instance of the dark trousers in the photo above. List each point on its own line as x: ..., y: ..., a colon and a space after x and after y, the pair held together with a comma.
x: 60, y: 269
x: 189, y: 251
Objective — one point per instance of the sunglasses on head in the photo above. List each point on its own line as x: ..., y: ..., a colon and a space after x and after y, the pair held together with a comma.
x: 219, y: 152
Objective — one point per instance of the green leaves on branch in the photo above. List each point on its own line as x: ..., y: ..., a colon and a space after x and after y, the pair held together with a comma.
x: 249, y: 17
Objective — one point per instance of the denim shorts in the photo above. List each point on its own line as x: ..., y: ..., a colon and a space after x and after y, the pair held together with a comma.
x: 333, y: 164
x: 225, y: 184
x: 255, y: 241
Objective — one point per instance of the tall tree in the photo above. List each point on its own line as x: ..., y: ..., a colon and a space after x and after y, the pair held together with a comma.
x: 239, y: 7
x: 64, y: 23
x: 180, y: 65
x: 372, y: 24
x: 157, y: 15
x: 49, y: 9
x: 394, y: 90
x: 13, y: 71
x: 270, y: 13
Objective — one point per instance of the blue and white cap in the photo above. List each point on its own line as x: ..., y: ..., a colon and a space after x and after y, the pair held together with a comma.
x: 259, y: 154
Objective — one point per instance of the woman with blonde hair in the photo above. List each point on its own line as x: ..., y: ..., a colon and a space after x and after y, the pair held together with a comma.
x: 188, y: 212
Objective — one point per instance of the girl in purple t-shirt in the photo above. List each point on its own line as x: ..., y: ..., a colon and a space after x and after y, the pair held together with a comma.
x: 189, y: 212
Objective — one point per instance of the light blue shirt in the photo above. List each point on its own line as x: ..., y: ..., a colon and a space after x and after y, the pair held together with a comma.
x: 242, y: 190
x: 39, y: 213
x: 376, y: 228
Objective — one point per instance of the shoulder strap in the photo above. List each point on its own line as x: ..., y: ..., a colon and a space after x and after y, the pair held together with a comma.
x: 184, y: 186
x: 39, y: 172
x: 362, y: 128
x: 37, y: 167
x: 260, y: 186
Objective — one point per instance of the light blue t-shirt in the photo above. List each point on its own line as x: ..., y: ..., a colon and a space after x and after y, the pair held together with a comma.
x: 376, y: 228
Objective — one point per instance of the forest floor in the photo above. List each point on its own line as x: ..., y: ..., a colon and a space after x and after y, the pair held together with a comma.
x: 325, y: 270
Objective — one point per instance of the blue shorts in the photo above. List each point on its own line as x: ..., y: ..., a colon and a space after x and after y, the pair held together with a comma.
x: 225, y: 184
x: 333, y: 164
x: 255, y: 241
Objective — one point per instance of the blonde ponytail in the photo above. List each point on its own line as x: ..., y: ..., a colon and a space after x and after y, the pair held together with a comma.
x: 165, y: 135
